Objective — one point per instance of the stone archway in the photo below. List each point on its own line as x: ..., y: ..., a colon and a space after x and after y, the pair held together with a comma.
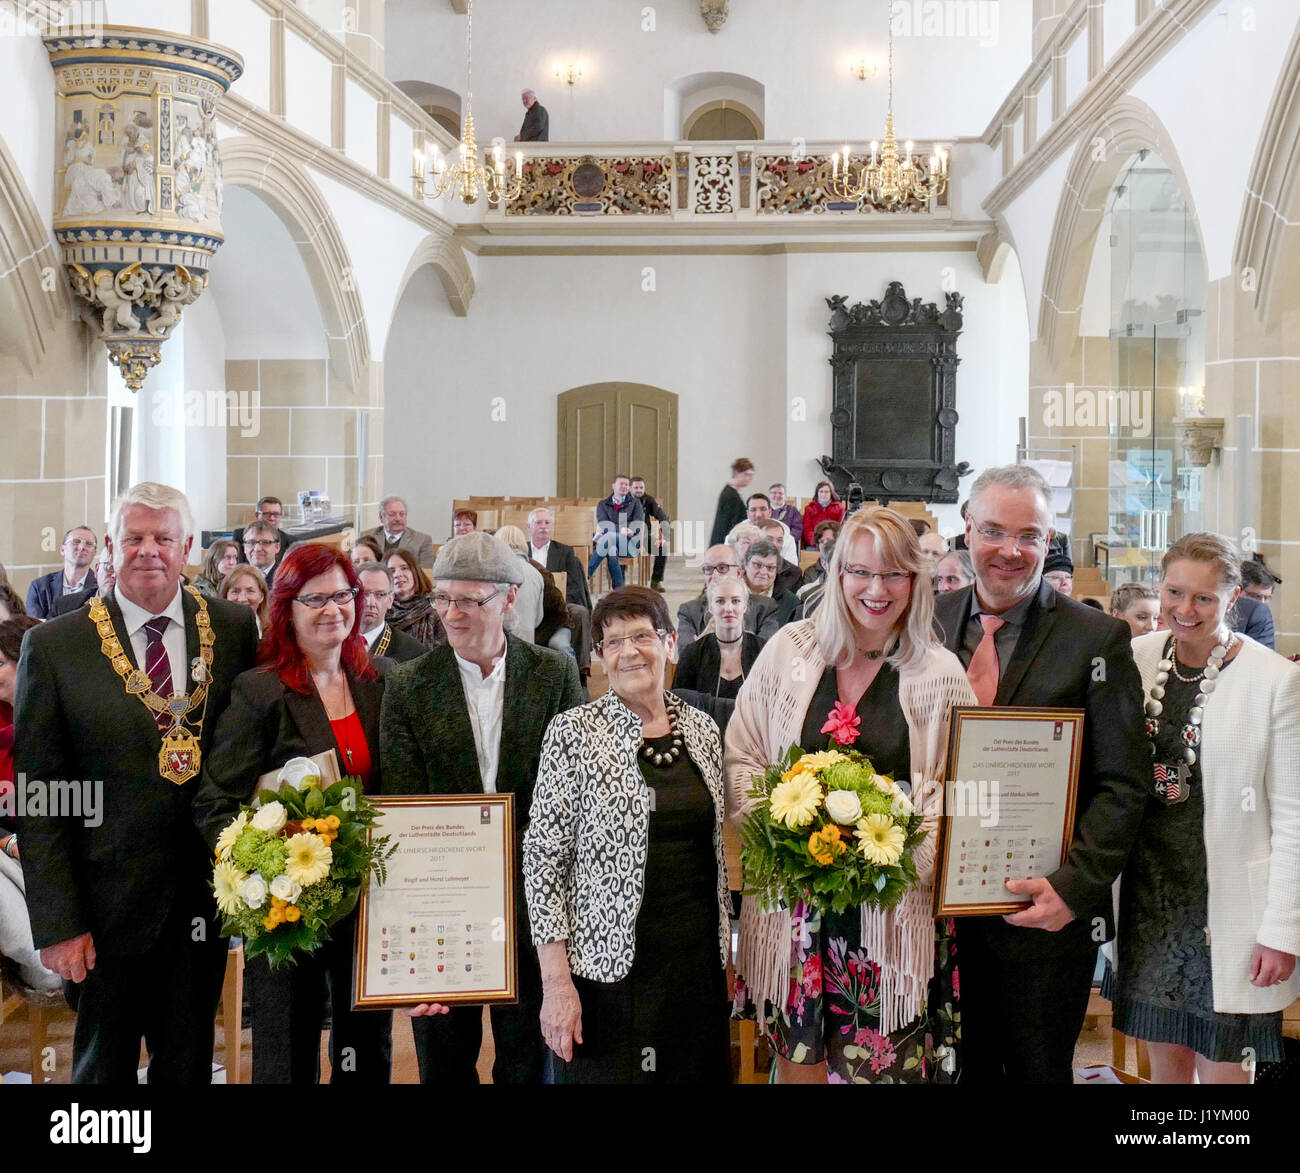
x: 298, y: 202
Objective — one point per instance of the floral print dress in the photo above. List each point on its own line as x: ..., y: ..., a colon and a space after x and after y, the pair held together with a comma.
x: 832, y: 1010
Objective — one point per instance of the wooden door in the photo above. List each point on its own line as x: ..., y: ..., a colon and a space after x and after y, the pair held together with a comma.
x: 607, y: 428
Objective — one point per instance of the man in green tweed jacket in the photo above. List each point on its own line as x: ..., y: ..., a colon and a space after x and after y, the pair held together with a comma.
x: 468, y: 718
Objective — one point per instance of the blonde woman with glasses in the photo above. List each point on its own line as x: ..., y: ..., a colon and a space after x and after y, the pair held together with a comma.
x: 864, y: 996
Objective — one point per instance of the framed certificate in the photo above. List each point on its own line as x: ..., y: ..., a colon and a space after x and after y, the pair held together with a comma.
x: 1008, y: 805
x: 441, y: 928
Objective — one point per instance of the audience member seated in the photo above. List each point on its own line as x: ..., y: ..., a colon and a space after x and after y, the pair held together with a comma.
x: 824, y: 506
x: 762, y: 560
x: 376, y: 599
x: 1138, y: 605
x: 525, y: 617
x: 810, y: 597
x: 393, y: 534
x: 653, y: 509
x: 463, y: 521
x: 246, y: 585
x: 741, y: 537
x: 785, y: 511
x: 1253, y: 618
x: 11, y: 606
x: 825, y: 536
x: 15, y: 928
x: 953, y: 571
x: 758, y: 509
x: 105, y: 577
x: 1257, y: 581
x: 934, y: 546
x: 719, y: 660
x: 271, y: 511
x: 620, y: 530
x: 222, y: 557
x: 412, y: 610
x: 365, y: 550
x: 78, y: 550
x: 789, y: 578
x: 262, y: 549
x: 555, y: 557
x: 1058, y: 569
x: 761, y: 616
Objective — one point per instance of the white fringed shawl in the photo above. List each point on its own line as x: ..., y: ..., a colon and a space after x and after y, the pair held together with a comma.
x: 768, y: 718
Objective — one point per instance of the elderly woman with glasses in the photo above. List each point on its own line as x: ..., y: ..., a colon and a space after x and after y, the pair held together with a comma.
x: 624, y: 872
x: 317, y: 691
x: 866, y: 995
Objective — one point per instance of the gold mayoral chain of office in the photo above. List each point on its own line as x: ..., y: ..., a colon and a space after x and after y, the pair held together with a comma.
x: 178, y: 759
x: 381, y: 644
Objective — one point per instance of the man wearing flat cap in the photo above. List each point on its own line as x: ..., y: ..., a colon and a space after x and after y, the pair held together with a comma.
x: 468, y: 718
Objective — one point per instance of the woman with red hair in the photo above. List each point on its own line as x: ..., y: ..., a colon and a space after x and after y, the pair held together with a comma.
x: 316, y: 691
x: 824, y: 506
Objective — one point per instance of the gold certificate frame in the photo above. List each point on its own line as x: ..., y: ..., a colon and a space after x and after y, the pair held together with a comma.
x: 1009, y: 804
x: 442, y: 927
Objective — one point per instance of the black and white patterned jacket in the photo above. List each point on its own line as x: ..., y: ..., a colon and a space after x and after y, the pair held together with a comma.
x: 588, y: 833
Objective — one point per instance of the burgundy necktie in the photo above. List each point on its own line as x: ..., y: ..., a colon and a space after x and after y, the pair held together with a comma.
x: 156, y: 664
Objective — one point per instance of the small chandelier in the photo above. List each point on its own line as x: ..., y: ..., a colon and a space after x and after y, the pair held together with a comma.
x: 467, y: 177
x: 888, y: 180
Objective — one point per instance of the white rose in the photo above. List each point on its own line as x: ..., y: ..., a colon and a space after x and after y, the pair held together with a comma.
x: 299, y: 773
x: 253, y: 891
x: 902, y: 805
x: 270, y: 818
x: 283, y: 888
x: 843, y: 806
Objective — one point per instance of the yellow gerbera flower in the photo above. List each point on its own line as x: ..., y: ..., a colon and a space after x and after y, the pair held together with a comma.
x: 794, y: 802
x: 880, y: 840
x: 309, y: 859
x: 227, y: 880
x: 226, y: 840
x: 812, y: 762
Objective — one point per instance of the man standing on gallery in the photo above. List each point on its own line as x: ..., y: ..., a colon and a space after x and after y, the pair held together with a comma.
x: 537, y: 123
x: 124, y: 698
x: 468, y: 718
x: 1026, y: 978
x: 393, y: 534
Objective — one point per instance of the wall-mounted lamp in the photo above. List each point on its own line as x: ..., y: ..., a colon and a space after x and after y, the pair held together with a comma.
x: 572, y: 73
x: 862, y: 69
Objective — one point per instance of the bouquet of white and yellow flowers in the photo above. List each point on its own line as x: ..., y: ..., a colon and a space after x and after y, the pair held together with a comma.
x: 292, y: 867
x: 828, y: 830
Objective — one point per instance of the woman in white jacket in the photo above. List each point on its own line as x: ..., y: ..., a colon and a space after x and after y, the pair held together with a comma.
x: 1210, y: 898
x: 872, y: 995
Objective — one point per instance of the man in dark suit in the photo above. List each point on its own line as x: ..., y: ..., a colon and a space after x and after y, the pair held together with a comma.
x: 620, y: 530
x: 660, y: 514
x: 1253, y: 618
x: 1025, y: 978
x: 468, y: 718
x: 537, y: 123
x: 263, y: 549
x: 377, y: 596
x: 99, y: 581
x: 78, y: 550
x: 120, y: 901
x: 557, y: 557
x: 271, y: 511
x: 393, y: 534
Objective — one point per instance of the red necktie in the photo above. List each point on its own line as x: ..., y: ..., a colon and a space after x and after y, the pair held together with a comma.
x: 157, y: 666
x: 983, y: 669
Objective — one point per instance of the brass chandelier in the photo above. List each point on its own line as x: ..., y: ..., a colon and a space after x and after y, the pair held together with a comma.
x: 889, y: 180
x: 466, y: 178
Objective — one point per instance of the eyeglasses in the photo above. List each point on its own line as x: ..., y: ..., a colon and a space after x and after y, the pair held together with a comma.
x: 641, y: 641
x: 260, y: 543
x: 766, y: 567
x: 446, y: 602
x: 891, y: 578
x: 338, y: 598
x: 720, y: 568
x: 1024, y: 541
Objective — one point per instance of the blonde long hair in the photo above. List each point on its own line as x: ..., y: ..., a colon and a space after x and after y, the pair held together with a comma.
x: 896, y: 545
